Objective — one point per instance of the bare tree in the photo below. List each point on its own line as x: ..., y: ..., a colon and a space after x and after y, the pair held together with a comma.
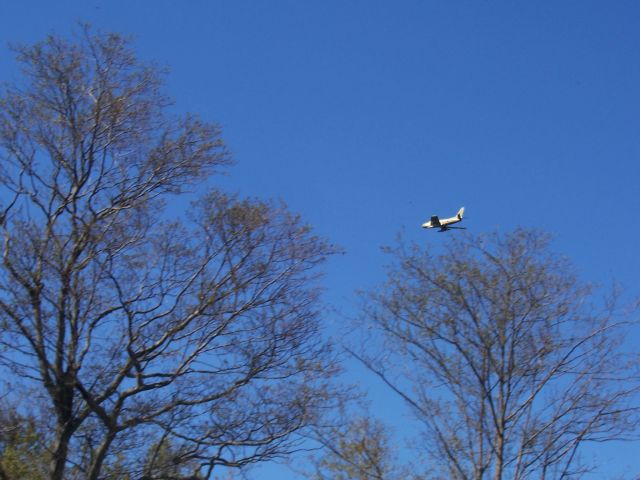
x: 508, y: 360
x: 358, y: 448
x: 132, y: 330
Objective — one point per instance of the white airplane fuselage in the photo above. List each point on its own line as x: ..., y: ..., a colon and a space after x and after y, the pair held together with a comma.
x: 443, y: 224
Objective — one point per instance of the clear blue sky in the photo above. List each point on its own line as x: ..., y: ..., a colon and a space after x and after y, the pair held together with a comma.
x: 367, y: 116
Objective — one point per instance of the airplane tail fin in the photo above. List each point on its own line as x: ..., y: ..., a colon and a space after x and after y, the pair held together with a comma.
x: 460, y: 213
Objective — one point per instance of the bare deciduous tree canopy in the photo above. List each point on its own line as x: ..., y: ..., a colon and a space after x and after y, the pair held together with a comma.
x: 504, y: 356
x: 136, y: 333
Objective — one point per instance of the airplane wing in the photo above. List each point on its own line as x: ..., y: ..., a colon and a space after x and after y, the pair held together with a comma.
x: 435, y: 220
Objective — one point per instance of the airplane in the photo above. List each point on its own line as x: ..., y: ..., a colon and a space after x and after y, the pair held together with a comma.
x: 445, y: 223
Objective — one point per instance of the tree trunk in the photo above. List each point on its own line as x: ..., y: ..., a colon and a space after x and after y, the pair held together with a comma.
x: 499, y: 456
x: 63, y: 400
x: 60, y: 452
x: 96, y: 465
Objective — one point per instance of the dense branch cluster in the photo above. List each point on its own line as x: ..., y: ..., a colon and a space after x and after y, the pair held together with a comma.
x: 143, y: 339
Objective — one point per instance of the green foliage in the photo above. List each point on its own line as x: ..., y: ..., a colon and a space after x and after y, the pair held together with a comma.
x: 358, y: 451
x: 22, y: 454
x: 167, y: 461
